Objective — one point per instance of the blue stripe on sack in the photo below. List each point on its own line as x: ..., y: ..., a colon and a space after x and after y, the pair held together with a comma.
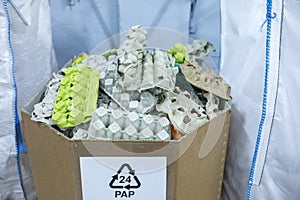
x: 265, y: 97
x: 20, y: 146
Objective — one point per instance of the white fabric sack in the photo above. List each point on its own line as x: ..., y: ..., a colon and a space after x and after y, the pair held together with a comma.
x: 34, y: 62
x: 277, y: 169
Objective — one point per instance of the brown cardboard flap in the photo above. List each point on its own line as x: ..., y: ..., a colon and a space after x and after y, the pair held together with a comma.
x: 202, y: 175
x: 51, y: 160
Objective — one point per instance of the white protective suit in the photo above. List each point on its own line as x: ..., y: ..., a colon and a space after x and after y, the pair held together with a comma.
x: 90, y: 22
x: 250, y: 45
x: 26, y: 63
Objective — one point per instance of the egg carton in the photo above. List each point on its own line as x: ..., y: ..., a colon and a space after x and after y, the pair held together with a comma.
x: 199, y: 49
x: 129, y: 66
x: 184, y: 113
x: 213, y: 105
x: 80, y: 132
x: 43, y: 111
x: 118, y: 125
x: 136, y: 39
x: 141, y: 102
x: 143, y: 70
x: 77, y: 96
x: 130, y: 52
x: 99, y: 62
x: 105, y: 101
x: 206, y: 80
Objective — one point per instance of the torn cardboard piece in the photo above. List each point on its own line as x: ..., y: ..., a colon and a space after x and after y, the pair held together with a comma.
x: 184, y: 113
x: 206, y: 80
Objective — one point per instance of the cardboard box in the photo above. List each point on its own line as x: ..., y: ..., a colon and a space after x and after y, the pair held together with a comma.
x: 194, y: 169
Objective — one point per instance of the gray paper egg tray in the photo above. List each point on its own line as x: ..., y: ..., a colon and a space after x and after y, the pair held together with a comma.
x: 99, y: 62
x: 205, y: 79
x: 184, y: 113
x: 146, y: 70
x: 141, y: 102
x: 130, y: 53
x: 130, y: 60
x: 43, y: 111
x: 105, y: 101
x: 136, y: 39
x: 118, y: 125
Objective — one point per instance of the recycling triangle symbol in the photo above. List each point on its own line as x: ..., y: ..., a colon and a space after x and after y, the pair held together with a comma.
x: 119, y: 181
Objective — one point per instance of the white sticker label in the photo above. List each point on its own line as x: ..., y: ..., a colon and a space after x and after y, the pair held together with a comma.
x: 133, y: 178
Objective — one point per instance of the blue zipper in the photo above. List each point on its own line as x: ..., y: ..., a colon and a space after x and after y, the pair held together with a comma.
x: 265, y: 97
x: 20, y: 146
